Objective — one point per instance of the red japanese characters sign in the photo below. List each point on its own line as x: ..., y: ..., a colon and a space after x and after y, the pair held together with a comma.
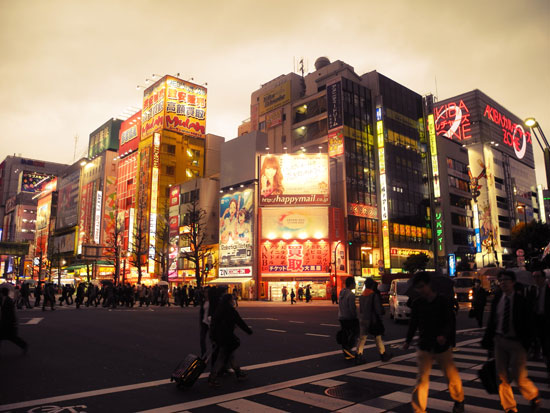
x: 295, y: 257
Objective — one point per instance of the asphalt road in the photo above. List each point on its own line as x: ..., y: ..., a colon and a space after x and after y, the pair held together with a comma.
x: 84, y: 357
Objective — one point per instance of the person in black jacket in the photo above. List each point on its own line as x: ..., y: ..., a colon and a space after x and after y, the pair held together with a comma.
x: 37, y: 294
x: 540, y: 301
x: 432, y: 314
x: 8, y: 321
x: 223, y: 334
x: 509, y: 334
x: 478, y: 302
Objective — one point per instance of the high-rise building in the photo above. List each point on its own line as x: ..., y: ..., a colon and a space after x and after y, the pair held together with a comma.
x: 171, y: 151
x: 502, y: 179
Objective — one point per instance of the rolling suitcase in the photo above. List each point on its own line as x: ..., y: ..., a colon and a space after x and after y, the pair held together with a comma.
x: 188, y: 370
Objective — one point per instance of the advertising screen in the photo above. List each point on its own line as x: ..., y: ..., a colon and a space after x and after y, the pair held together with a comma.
x: 295, y: 223
x: 64, y: 243
x: 294, y: 180
x: 306, y: 257
x: 31, y: 181
x: 43, y: 214
x: 236, y: 228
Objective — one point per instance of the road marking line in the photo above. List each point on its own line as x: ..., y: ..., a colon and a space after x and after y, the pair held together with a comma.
x: 253, y: 318
x: 248, y: 406
x: 276, y: 331
x: 155, y: 383
x: 331, y: 325
x: 438, y: 404
x: 297, y: 322
x: 312, y: 399
x: 433, y: 372
x: 33, y: 321
x: 387, y: 378
x: 317, y: 335
x: 328, y: 383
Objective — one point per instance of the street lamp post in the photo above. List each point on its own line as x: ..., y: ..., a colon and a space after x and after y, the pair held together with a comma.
x: 543, y: 143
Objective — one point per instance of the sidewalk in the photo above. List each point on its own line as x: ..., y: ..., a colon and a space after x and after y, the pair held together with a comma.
x: 266, y: 303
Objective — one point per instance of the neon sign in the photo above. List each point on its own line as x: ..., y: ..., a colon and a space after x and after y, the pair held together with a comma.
x: 154, y: 199
x: 383, y: 188
x: 433, y: 151
x: 453, y: 121
x: 439, y: 235
x: 513, y: 133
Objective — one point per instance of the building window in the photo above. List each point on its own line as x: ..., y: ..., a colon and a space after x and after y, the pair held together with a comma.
x: 170, y: 170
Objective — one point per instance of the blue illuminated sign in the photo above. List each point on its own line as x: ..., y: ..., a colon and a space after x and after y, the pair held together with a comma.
x: 452, y: 265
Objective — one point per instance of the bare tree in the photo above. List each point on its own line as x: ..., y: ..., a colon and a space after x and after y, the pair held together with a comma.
x: 195, y: 238
x: 162, y: 246
x: 113, y: 244
x: 138, y: 247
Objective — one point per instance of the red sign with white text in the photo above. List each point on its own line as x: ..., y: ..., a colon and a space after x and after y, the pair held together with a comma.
x: 296, y: 256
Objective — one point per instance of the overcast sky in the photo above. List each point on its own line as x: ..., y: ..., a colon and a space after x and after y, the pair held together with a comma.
x: 66, y: 67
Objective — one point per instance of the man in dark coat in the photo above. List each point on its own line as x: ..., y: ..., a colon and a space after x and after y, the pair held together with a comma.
x: 223, y: 324
x: 479, y: 300
x: 49, y: 297
x: 509, y: 334
x: 25, y: 294
x: 8, y: 321
x: 37, y: 294
x: 540, y: 300
x: 80, y: 295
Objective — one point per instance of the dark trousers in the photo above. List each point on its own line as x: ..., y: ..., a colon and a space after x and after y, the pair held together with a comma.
x: 543, y: 338
x: 350, y: 329
x: 478, y: 314
x: 203, y: 335
x: 14, y: 338
x: 37, y: 300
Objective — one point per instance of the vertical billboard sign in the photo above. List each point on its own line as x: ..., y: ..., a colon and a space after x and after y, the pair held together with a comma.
x: 476, y: 228
x: 433, y: 151
x: 540, y: 200
x: 97, y: 220
x: 67, y: 204
x: 335, y: 119
x: 290, y: 180
x: 154, y: 201
x: 452, y: 265
x: 383, y: 188
x: 236, y: 230
x: 185, y: 107
x: 152, y: 119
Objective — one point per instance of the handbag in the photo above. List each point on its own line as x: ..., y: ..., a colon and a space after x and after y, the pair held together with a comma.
x: 488, y: 376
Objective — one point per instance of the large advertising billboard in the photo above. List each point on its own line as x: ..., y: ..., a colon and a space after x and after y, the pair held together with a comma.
x: 475, y: 117
x: 67, y: 204
x: 275, y: 98
x: 295, y: 223
x: 176, y: 105
x: 293, y: 180
x: 298, y: 256
x: 31, y: 182
x: 236, y: 228
x: 130, y: 133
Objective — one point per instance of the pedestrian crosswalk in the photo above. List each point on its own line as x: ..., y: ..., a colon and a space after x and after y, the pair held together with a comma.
x: 382, y: 387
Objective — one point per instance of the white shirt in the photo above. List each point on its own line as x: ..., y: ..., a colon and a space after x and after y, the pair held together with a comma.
x: 500, y: 315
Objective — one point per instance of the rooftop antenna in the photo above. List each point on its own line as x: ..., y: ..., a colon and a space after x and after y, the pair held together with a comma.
x: 301, y: 67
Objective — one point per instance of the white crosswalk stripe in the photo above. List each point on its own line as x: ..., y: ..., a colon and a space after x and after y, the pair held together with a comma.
x: 399, y: 376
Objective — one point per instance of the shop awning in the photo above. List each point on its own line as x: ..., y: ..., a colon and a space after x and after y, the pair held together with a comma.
x: 229, y: 280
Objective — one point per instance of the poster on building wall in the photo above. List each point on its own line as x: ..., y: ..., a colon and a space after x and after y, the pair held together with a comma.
x: 292, y: 180
x: 110, y: 208
x: 336, y: 142
x: 67, y: 201
x: 152, y: 119
x: 236, y: 228
x: 295, y: 223
x: 43, y: 214
x: 85, y: 214
x: 304, y: 256
x: 64, y: 243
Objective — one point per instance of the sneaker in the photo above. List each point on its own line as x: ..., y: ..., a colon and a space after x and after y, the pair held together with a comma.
x: 536, y: 405
x: 386, y: 356
x: 458, y: 407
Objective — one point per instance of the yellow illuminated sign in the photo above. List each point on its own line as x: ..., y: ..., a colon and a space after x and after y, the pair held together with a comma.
x: 433, y: 151
x: 275, y: 98
x: 154, y: 199
x: 383, y: 189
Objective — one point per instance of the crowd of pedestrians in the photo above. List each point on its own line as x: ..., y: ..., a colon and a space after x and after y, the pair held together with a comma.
x: 518, y: 328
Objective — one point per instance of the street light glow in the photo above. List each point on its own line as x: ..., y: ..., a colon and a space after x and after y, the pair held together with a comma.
x: 530, y: 122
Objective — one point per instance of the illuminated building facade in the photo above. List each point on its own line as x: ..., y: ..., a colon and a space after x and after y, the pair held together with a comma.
x: 374, y: 132
x: 501, y: 180
x: 171, y: 150
x: 46, y: 211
